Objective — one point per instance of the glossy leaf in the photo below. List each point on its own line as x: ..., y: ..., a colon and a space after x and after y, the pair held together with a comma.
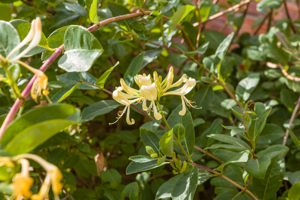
x: 230, y: 140
x: 9, y: 38
x: 64, y: 93
x: 97, y: 109
x: 258, y: 167
x: 133, y: 69
x: 93, y: 12
x: 247, y: 86
x: 101, y: 81
x: 150, y: 139
x: 166, y: 143
x: 139, y: 167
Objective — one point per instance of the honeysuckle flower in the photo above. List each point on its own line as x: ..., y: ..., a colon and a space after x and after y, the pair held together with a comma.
x: 150, y: 93
x: 34, y: 36
x: 22, y: 181
x: 122, y: 98
x: 53, y: 177
x: 186, y: 88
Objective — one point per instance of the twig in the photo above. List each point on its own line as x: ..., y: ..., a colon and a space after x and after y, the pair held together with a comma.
x: 284, y: 72
x: 13, y: 111
x: 239, y: 28
x: 291, y: 121
x: 289, y: 17
x: 209, y: 154
x: 270, y: 19
x: 200, y: 23
x: 262, y: 22
x: 219, y: 14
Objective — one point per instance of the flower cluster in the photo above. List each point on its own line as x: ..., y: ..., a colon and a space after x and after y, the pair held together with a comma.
x: 39, y: 87
x: 151, y: 89
x: 22, y: 181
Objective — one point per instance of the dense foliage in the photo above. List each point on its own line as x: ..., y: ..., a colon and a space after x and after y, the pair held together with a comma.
x: 203, y: 115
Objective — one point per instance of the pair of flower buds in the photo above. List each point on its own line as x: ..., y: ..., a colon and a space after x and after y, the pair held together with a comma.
x: 152, y: 90
x: 34, y: 35
x: 22, y: 182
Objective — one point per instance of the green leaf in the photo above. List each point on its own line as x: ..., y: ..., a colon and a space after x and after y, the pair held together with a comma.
x: 56, y: 38
x: 131, y: 191
x: 78, y: 60
x: 240, y: 157
x: 76, y: 8
x: 230, y: 140
x: 207, y: 9
x: 258, y: 167
x: 201, y: 50
x: 180, y: 187
x: 288, y: 99
x: 161, y: 160
x: 93, y: 12
x: 72, y: 78
x: 63, y: 112
x: 203, y: 98
x: 294, y: 192
x: 34, y: 135
x: 216, y: 128
x: 133, y: 69
x: 268, y: 4
x: 65, y: 18
x: 134, y: 167
x: 294, y: 138
x: 112, y: 176
x: 187, y: 122
x: 116, y: 10
x: 179, y: 15
x: 267, y: 188
x: 101, y: 81
x: 97, y: 109
x: 139, y: 3
x: 179, y: 132
x: 274, y: 52
x: 9, y: 39
x: 64, y: 93
x: 80, y: 55
x: 258, y: 121
x: 271, y: 133
x: 150, y: 139
x: 166, y: 143
x: 141, y: 159
x: 15, y: 71
x: 246, y: 86
x: 5, y: 12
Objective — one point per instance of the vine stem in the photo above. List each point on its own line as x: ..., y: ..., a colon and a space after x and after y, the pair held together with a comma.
x: 13, y: 111
x: 289, y: 17
x: 207, y: 70
x: 291, y: 121
x: 224, y: 177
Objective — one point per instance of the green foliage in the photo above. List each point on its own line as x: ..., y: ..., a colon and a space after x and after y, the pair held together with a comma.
x: 230, y: 131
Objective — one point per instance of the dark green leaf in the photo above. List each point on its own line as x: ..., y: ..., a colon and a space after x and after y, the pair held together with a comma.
x: 101, y: 81
x: 112, y: 176
x: 64, y: 93
x: 258, y: 167
x: 150, y: 139
x: 97, y: 109
x: 139, y: 167
x: 134, y: 68
x: 246, y: 86
x: 131, y: 191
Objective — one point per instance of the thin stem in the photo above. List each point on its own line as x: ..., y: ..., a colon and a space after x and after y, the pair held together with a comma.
x: 289, y: 17
x: 13, y: 84
x: 209, y: 154
x: 262, y: 22
x: 200, y: 23
x: 291, y: 121
x: 239, y: 28
x: 13, y: 111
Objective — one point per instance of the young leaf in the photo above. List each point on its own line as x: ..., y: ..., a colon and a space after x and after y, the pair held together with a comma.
x: 294, y: 192
x: 161, y: 160
x: 93, y: 12
x: 166, y: 143
x: 101, y: 81
x: 64, y: 93
x: 180, y: 14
